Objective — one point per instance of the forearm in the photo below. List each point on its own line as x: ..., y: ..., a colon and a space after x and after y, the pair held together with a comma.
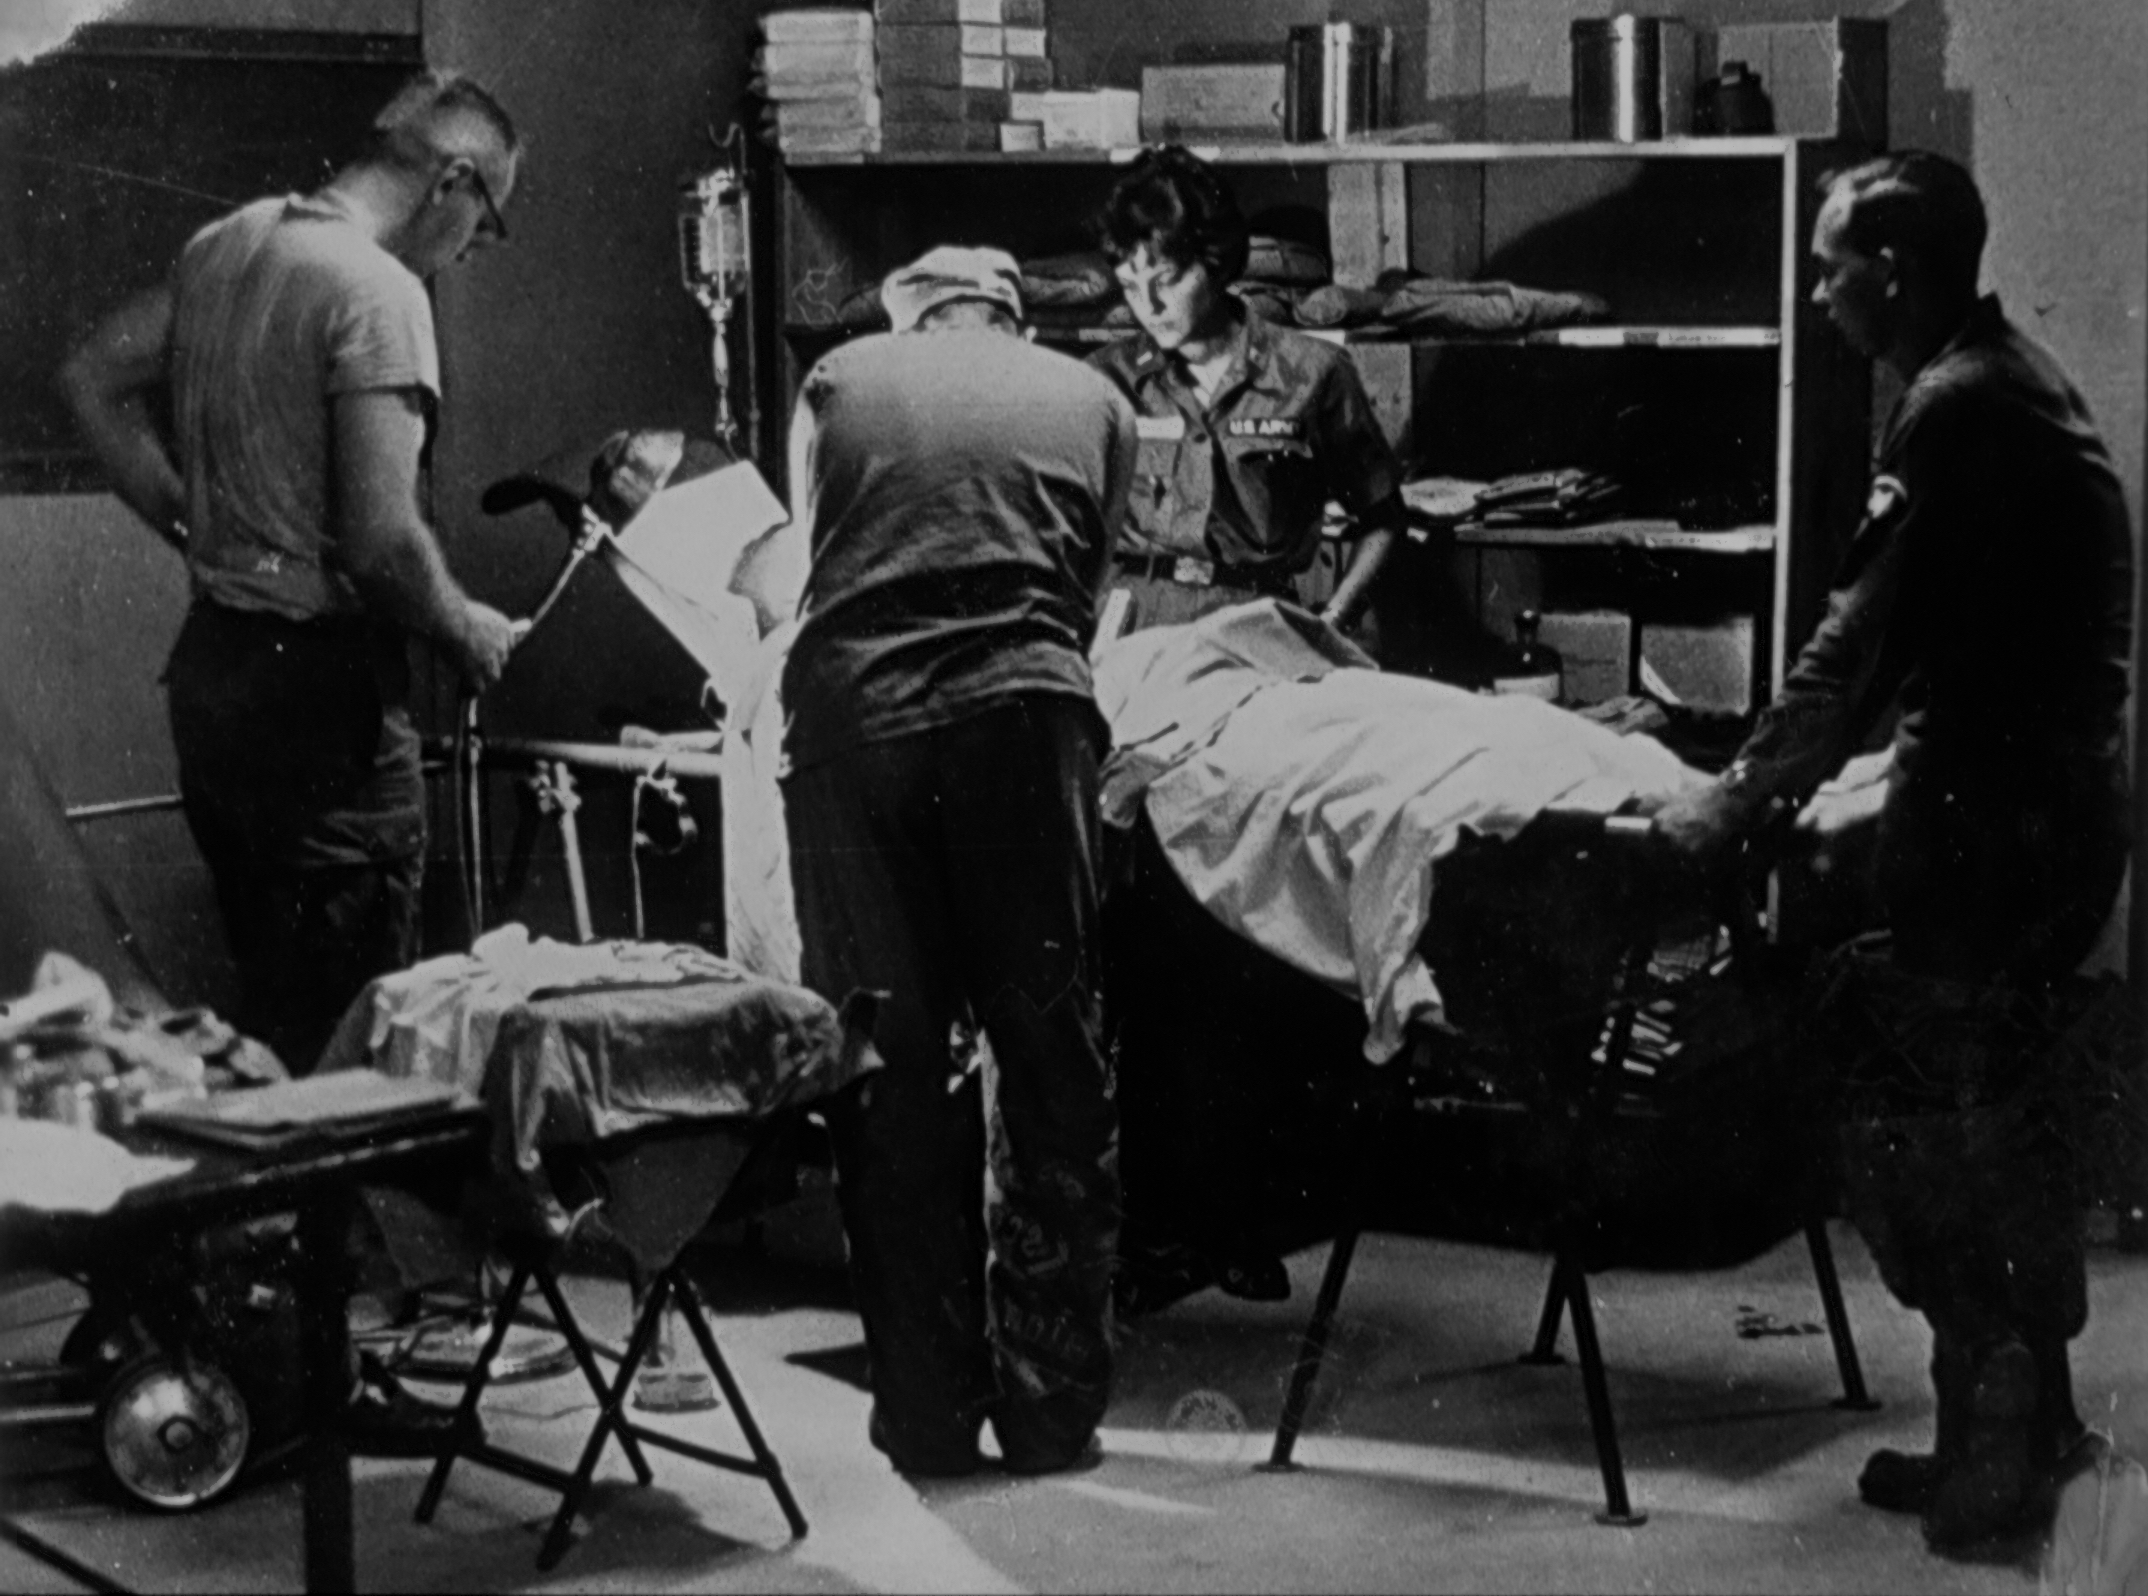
x: 1368, y: 557
x: 142, y: 473
x: 106, y: 383
x: 403, y: 577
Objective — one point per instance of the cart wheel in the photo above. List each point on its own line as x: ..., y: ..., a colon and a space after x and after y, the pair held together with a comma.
x: 174, y: 1438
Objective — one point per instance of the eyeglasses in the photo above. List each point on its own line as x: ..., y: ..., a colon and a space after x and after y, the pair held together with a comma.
x: 493, y: 219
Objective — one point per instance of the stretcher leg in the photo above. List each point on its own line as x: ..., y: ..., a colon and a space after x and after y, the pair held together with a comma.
x: 1545, y: 1350
x: 765, y: 1464
x: 473, y: 1392
x: 585, y: 1356
x: 1311, y: 1350
x: 1854, y: 1396
x: 1618, y: 1509
x: 609, y: 1418
x: 670, y: 1287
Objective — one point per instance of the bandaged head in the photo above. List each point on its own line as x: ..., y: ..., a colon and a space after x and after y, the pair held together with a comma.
x: 944, y: 275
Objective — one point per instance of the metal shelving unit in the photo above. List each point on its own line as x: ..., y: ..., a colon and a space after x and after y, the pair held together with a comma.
x: 1697, y: 244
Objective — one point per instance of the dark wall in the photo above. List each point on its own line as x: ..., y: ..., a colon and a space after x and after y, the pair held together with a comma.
x: 580, y: 326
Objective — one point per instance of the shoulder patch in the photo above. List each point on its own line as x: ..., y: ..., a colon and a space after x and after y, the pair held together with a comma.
x: 1888, y: 498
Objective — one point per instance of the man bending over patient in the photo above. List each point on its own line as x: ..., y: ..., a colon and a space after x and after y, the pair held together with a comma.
x: 961, y: 488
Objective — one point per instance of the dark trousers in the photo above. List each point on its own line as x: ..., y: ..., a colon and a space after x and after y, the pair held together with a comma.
x: 955, y: 870
x: 1964, y: 1101
x: 298, y: 770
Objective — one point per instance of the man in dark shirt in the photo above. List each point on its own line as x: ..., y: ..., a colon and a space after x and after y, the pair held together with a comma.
x: 961, y: 488
x: 1987, y: 599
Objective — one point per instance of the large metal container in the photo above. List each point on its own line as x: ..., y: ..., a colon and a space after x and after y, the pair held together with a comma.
x: 1633, y: 78
x: 1337, y: 81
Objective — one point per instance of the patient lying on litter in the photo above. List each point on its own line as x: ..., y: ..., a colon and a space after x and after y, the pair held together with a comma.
x: 1305, y: 798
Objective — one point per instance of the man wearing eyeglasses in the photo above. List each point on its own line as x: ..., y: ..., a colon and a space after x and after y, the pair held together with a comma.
x: 294, y: 345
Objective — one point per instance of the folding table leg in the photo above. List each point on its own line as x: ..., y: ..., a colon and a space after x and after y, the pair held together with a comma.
x: 609, y: 1418
x: 1545, y: 1351
x: 771, y: 1470
x: 1854, y: 1395
x: 473, y: 1392
x: 1311, y: 1351
x: 1617, y: 1508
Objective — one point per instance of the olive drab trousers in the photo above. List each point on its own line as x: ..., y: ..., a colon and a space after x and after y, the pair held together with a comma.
x: 955, y: 870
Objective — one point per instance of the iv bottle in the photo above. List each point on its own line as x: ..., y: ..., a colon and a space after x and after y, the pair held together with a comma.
x: 1531, y: 668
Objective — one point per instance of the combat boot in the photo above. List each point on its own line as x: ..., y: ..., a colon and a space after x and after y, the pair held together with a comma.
x: 1906, y: 1482
x: 1993, y: 1487
x: 2059, y: 1430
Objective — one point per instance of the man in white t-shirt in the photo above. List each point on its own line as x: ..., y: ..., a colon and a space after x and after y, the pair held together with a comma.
x: 295, y: 345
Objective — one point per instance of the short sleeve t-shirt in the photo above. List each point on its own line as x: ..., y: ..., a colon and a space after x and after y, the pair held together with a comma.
x: 966, y: 489
x: 279, y: 309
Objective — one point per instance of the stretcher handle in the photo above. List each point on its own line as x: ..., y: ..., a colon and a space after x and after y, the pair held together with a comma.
x: 1588, y: 825
x: 1633, y: 839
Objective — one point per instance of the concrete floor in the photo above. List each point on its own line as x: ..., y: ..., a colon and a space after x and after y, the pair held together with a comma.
x: 1432, y: 1461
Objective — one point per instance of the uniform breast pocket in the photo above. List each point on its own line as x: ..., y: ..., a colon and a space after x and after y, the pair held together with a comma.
x: 1150, y: 504
x: 1279, y: 483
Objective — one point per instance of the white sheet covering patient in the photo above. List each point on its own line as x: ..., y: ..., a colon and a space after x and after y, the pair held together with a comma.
x: 1303, y: 796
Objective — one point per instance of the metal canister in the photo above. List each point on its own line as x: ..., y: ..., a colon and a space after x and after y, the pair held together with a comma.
x: 1337, y: 81
x: 1633, y: 78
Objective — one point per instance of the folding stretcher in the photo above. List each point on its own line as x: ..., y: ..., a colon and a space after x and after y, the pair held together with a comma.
x: 1471, y: 872
x: 1580, y: 1071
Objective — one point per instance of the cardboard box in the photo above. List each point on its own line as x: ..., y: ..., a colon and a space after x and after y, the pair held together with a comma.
x: 821, y: 25
x: 1089, y: 119
x: 1596, y: 649
x: 934, y: 41
x: 911, y: 102
x: 1706, y: 666
x: 830, y: 141
x: 947, y: 11
x: 939, y: 135
x: 1825, y: 79
x: 1030, y: 42
x: 1022, y: 13
x: 862, y: 110
x: 1029, y: 74
x: 931, y: 65
x: 815, y: 59
x: 1197, y: 103
x: 1020, y: 138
